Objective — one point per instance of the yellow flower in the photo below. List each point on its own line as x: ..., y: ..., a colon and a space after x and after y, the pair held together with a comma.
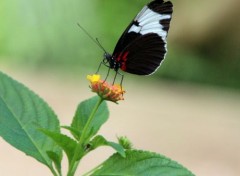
x: 106, y: 91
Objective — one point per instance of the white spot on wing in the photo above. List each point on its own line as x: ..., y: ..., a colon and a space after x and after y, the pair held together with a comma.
x: 149, y: 22
x: 135, y: 28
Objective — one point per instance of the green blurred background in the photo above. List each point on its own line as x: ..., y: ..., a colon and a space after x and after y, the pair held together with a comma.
x: 194, y: 124
x: 203, y: 41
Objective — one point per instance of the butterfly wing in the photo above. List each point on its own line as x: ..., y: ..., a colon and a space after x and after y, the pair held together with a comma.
x: 142, y: 46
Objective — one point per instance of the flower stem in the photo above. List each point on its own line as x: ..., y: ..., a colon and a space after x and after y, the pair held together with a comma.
x: 79, y: 151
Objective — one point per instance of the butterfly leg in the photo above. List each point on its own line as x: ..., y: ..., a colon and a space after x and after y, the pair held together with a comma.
x: 99, y: 67
x: 115, y: 76
x: 122, y: 76
x: 102, y: 63
x: 107, y: 73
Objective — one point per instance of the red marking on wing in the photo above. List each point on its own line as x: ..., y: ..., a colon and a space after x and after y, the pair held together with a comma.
x: 122, y: 58
x: 118, y: 59
x: 123, y: 66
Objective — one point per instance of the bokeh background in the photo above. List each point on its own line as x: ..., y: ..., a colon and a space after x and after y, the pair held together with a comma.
x: 189, y: 110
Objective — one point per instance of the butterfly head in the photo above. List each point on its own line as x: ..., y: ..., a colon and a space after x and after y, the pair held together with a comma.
x: 108, y: 59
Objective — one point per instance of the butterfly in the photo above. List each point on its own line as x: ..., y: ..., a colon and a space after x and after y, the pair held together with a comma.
x: 143, y: 45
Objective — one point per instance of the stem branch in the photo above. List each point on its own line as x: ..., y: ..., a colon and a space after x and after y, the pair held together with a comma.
x: 80, y: 147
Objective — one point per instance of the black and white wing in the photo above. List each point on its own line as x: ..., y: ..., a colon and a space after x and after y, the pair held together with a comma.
x: 142, y: 46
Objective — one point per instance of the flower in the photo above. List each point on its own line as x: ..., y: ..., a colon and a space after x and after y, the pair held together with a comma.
x: 106, y: 91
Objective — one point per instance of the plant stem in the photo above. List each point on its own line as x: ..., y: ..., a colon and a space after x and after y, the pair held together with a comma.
x: 53, y: 171
x: 79, y: 149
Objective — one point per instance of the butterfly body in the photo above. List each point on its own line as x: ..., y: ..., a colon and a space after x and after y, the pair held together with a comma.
x: 111, y: 61
x: 142, y: 47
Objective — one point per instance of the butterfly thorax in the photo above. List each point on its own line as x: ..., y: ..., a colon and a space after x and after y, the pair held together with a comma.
x: 113, y: 64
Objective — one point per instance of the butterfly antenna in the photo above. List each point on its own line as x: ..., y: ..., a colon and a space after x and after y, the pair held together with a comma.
x: 94, y: 40
x: 99, y: 44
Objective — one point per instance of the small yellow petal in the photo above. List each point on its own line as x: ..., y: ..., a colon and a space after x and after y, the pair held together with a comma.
x: 93, y: 78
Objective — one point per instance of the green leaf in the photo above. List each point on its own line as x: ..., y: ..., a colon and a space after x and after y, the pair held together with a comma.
x: 83, y: 113
x: 119, y: 148
x: 141, y: 163
x: 22, y: 113
x: 101, y: 141
x: 65, y: 142
x: 56, y: 158
x: 97, y: 141
x: 75, y: 132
